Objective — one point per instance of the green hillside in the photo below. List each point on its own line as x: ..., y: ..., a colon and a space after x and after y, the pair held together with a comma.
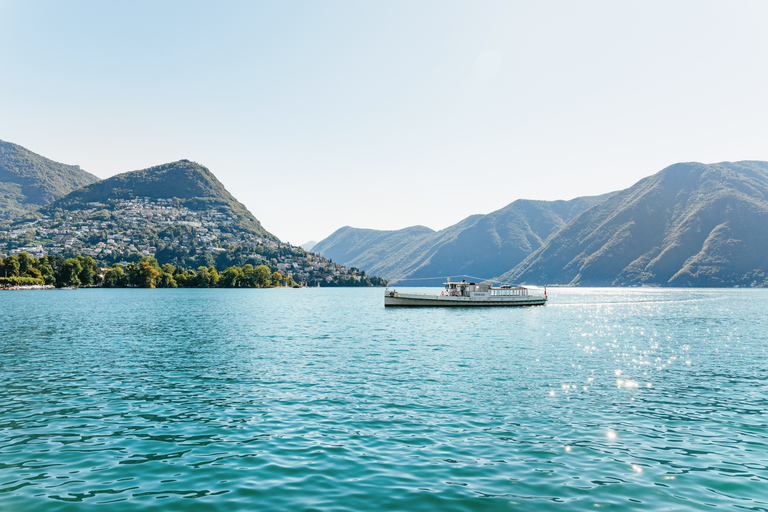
x: 189, y: 184
x: 29, y: 181
x: 691, y: 224
x: 177, y: 214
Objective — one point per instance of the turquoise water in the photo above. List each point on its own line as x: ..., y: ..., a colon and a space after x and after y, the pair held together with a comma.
x: 322, y: 399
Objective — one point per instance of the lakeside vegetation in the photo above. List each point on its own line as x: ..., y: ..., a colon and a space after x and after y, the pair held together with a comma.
x: 28, y: 270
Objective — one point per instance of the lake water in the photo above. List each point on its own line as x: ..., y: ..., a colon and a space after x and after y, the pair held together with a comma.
x: 322, y: 399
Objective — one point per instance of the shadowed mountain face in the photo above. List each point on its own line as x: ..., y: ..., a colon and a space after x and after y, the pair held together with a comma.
x: 480, y: 246
x: 189, y: 183
x: 689, y: 225
x: 367, y: 248
x: 29, y: 181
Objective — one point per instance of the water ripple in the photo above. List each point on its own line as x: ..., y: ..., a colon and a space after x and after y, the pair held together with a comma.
x: 321, y: 399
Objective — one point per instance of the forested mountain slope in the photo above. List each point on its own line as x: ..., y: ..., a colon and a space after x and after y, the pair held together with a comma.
x: 189, y: 184
x: 177, y: 215
x: 29, y: 181
x: 177, y: 212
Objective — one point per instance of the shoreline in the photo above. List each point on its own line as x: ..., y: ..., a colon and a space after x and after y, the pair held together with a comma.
x: 29, y: 287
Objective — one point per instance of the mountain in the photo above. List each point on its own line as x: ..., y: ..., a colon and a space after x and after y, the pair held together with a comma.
x: 307, y: 246
x: 371, y: 249
x: 480, y: 246
x: 178, y: 213
x: 189, y: 184
x: 691, y: 224
x: 28, y: 180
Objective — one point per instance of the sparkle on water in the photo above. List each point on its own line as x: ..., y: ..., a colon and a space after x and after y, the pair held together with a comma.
x: 609, y: 399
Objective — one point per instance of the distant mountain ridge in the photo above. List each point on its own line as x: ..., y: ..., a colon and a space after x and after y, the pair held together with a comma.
x: 29, y: 181
x: 690, y: 224
x: 367, y: 247
x: 481, y: 246
x: 307, y: 246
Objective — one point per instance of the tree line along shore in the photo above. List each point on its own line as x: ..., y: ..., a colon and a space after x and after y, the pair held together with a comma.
x: 26, y: 270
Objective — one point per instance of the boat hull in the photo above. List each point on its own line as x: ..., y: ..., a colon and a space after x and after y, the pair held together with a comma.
x: 440, y: 301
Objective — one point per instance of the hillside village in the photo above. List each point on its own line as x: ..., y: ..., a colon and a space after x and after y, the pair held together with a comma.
x: 127, y: 229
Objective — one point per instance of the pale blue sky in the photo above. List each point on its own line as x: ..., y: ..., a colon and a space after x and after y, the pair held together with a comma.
x: 318, y: 114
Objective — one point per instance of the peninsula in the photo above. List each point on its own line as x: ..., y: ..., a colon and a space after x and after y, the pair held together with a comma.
x: 176, y: 220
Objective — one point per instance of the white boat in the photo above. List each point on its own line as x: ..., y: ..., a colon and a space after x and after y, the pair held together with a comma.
x: 471, y: 294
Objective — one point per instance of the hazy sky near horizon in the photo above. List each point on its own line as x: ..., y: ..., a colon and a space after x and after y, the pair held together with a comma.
x: 383, y: 115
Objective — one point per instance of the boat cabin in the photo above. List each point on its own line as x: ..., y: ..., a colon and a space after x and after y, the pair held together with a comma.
x: 510, y: 291
x: 465, y: 289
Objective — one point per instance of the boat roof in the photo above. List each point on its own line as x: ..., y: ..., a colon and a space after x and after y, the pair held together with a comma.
x: 500, y: 287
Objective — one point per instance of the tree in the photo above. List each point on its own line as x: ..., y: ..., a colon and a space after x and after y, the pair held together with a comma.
x: 55, y: 261
x: 166, y: 280
x: 249, y: 276
x: 204, y: 279
x: 88, y: 271
x: 152, y: 261
x: 261, y: 275
x: 232, y: 277
x: 46, y: 270
x: 26, y: 262
x: 214, y: 276
x: 134, y: 274
x: 147, y: 274
x: 276, y: 278
x: 187, y: 278
x: 69, y: 272
x: 11, y: 266
x: 34, y: 273
x: 115, y: 277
